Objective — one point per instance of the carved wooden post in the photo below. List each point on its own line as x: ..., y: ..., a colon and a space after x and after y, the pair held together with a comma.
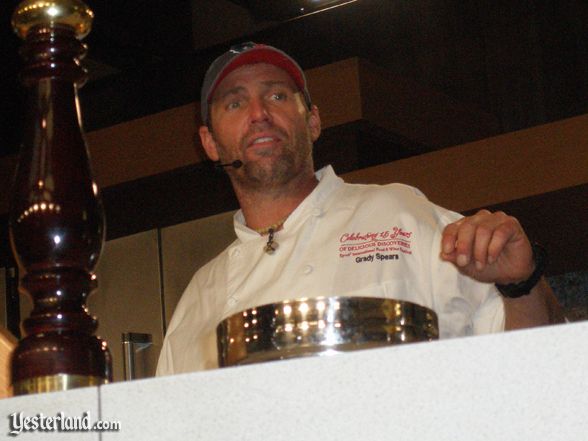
x: 56, y: 218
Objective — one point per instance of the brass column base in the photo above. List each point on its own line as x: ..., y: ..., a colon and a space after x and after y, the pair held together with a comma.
x: 54, y: 383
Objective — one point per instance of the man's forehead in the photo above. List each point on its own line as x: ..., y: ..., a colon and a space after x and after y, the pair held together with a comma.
x: 254, y: 74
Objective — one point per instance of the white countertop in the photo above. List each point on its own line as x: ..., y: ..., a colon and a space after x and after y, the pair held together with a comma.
x: 521, y: 385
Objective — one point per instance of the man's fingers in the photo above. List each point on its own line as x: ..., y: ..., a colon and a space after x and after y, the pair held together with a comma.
x: 489, y: 247
x: 449, y: 237
x: 501, y: 236
x: 468, y: 239
x: 464, y: 243
x: 482, y: 239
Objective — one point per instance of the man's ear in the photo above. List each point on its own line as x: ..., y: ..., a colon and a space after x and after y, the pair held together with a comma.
x: 314, y: 123
x: 208, y: 143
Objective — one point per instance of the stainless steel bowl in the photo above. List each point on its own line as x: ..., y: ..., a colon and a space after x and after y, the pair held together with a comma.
x: 321, y: 326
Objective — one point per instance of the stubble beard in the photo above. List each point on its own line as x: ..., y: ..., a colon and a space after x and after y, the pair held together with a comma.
x: 275, y: 175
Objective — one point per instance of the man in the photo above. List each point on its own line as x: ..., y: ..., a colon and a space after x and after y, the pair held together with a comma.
x: 307, y: 234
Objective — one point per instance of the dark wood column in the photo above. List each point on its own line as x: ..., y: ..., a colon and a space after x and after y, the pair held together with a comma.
x: 56, y: 222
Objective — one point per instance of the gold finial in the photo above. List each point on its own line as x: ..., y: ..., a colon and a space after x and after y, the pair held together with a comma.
x: 72, y: 13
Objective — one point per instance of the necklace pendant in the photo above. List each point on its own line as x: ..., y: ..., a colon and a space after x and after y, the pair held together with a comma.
x: 270, y: 247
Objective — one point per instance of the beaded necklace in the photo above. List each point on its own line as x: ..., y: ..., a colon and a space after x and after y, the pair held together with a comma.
x: 271, y: 245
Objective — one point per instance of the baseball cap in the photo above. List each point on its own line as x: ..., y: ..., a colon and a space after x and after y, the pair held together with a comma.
x: 244, y: 54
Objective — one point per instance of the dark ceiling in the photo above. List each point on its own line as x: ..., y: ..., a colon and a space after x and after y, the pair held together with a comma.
x: 526, y: 62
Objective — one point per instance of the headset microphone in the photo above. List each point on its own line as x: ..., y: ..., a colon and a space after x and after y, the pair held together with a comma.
x: 234, y: 164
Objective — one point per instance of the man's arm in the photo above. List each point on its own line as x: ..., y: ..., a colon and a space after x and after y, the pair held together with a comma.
x: 538, y: 308
x: 492, y: 247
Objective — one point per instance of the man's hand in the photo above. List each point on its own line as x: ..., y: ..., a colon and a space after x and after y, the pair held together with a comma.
x: 489, y: 247
x: 492, y: 247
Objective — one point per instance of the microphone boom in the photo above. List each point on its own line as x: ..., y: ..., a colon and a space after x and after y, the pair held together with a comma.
x: 235, y: 164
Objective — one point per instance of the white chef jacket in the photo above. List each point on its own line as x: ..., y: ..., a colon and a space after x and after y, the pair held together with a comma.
x: 342, y: 240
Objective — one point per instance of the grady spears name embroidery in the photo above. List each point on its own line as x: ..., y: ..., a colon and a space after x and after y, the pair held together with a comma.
x: 370, y: 246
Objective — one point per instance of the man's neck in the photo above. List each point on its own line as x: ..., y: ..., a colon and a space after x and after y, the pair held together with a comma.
x: 262, y: 209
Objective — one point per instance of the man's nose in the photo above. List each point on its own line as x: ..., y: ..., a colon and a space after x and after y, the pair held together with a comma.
x: 258, y: 111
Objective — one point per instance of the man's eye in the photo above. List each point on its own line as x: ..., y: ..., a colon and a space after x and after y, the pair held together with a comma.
x: 233, y: 105
x: 278, y: 96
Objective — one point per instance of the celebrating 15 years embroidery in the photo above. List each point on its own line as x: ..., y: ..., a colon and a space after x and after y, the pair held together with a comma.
x: 374, y: 246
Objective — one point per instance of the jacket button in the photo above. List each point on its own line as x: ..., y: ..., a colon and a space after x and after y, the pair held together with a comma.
x: 316, y: 212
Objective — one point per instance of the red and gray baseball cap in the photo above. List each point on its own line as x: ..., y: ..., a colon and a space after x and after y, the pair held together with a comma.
x: 244, y: 54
